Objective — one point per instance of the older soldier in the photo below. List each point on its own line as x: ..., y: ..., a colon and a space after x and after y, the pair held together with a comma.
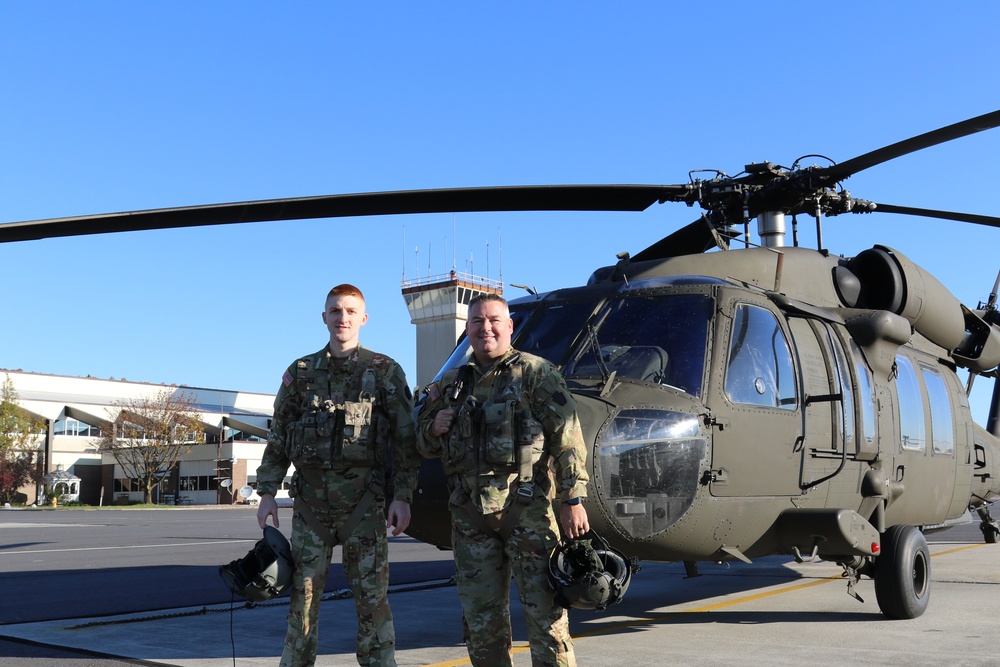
x: 334, y: 416
x: 499, y: 423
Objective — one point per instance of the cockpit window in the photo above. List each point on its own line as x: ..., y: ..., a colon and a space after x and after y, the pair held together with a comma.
x: 552, y: 331
x: 549, y: 335
x: 649, y: 338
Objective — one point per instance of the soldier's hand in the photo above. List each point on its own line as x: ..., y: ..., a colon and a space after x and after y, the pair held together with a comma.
x: 268, y: 507
x: 399, y: 516
x: 442, y: 421
x: 574, y: 520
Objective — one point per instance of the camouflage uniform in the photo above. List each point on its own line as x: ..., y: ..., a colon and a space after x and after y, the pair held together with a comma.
x: 333, y: 419
x: 516, y: 410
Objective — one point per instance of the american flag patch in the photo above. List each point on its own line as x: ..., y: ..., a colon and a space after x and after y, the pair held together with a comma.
x: 433, y: 392
x: 287, y: 379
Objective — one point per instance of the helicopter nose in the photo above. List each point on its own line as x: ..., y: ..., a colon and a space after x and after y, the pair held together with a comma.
x: 646, y: 465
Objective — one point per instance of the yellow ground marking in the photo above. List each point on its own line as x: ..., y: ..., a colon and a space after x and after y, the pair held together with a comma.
x: 617, y: 627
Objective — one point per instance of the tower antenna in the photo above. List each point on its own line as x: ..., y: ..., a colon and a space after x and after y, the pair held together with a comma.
x: 500, y: 254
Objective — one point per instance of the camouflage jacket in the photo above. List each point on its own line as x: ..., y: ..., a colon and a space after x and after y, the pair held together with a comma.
x: 340, y: 415
x: 519, y: 397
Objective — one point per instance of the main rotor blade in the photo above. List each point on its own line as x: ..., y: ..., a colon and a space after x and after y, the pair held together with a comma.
x: 456, y: 200
x: 692, y: 239
x: 988, y: 220
x: 841, y: 171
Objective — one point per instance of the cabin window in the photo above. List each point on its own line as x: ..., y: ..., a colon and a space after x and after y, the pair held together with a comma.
x: 866, y: 397
x: 845, y: 408
x: 759, y: 368
x: 942, y: 427
x: 912, y: 429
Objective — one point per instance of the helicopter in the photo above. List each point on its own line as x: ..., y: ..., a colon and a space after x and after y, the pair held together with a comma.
x: 738, y: 399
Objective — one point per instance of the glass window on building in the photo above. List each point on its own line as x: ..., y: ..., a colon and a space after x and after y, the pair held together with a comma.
x: 70, y: 426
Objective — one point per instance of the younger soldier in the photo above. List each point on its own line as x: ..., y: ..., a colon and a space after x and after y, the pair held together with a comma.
x: 335, y: 415
x: 498, y: 423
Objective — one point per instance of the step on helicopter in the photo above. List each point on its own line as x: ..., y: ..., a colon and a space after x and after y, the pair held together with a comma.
x: 739, y: 399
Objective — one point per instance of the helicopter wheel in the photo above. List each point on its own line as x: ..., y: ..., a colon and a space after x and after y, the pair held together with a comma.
x: 903, y: 573
x: 990, y: 532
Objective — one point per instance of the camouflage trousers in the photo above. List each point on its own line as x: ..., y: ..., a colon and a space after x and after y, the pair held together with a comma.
x: 484, y: 566
x: 366, y: 566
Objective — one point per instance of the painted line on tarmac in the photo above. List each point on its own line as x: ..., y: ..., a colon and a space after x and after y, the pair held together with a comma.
x: 956, y: 550
x: 134, y: 546
x: 617, y: 627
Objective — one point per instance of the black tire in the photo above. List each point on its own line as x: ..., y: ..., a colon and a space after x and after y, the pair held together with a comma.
x: 903, y: 573
x: 990, y: 533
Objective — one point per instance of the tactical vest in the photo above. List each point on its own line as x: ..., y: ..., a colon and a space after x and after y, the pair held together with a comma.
x: 337, y: 428
x: 498, y: 436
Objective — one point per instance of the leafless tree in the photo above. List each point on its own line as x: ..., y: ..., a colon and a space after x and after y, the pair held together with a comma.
x: 148, y: 435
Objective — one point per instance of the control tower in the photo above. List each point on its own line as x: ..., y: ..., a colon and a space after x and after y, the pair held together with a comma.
x: 439, y: 307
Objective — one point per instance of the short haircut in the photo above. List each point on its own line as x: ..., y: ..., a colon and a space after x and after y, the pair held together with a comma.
x: 345, y: 289
x: 488, y: 296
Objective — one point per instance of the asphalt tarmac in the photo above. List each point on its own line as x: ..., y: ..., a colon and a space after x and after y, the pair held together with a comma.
x: 773, y: 612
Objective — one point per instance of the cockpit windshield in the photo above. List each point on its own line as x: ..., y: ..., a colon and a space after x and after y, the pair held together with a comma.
x: 657, y: 338
x: 651, y: 338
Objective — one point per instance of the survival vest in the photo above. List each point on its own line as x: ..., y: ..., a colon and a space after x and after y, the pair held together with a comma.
x: 498, y: 435
x: 338, y: 427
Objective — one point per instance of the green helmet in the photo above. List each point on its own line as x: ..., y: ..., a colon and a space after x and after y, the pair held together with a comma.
x: 265, y: 572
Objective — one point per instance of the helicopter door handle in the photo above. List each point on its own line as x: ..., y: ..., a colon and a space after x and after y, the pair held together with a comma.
x: 714, y: 476
x: 722, y: 423
x: 900, y: 473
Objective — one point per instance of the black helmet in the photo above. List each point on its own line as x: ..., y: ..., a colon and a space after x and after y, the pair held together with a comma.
x: 586, y: 573
x: 263, y: 573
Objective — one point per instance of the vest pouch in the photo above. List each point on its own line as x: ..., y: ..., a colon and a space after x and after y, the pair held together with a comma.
x: 455, y: 442
x: 498, y: 420
x: 356, y: 441
x: 306, y: 447
x: 530, y: 434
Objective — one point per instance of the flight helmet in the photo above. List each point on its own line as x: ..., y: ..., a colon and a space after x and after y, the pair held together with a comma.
x: 586, y: 573
x: 265, y: 572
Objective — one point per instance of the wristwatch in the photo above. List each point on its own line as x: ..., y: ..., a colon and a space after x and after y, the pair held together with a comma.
x: 573, y: 501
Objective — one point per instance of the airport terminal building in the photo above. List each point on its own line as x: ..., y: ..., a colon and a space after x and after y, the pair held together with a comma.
x: 73, y: 411
x: 223, y: 471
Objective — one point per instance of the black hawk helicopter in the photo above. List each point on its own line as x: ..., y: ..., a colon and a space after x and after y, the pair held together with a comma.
x: 761, y: 399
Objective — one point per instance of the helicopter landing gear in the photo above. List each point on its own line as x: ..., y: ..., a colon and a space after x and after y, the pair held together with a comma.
x: 990, y: 528
x: 903, y: 573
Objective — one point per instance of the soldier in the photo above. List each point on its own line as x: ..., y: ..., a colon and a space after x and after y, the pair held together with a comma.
x: 499, y: 423
x: 334, y: 416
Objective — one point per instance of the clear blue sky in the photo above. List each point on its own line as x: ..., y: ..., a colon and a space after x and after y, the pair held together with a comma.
x: 114, y: 106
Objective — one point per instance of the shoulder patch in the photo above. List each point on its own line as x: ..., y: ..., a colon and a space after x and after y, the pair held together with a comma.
x: 433, y: 392
x: 287, y: 379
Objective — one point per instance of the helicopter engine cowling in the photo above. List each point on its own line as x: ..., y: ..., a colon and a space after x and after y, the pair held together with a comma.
x: 882, y: 278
